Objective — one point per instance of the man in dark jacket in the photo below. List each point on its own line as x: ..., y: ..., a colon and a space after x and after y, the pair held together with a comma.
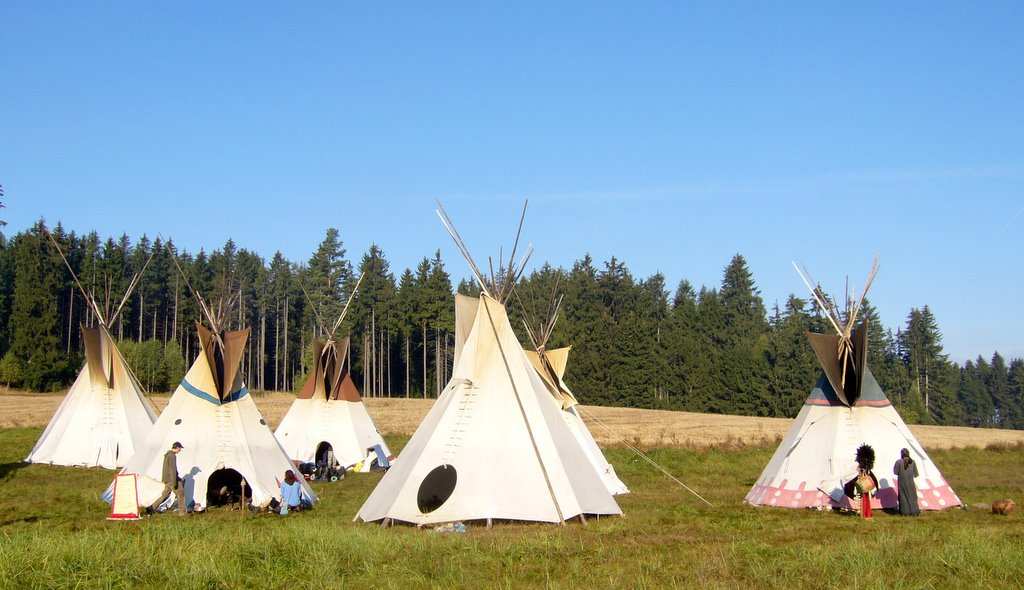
x: 171, y: 481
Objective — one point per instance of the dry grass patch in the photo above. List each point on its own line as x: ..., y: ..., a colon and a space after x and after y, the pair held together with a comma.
x: 610, y: 426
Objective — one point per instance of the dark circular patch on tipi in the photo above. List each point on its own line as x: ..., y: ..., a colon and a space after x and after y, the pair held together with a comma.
x: 177, y: 422
x: 436, y: 488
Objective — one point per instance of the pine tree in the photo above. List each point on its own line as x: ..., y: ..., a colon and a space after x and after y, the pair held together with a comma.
x: 439, y: 304
x: 707, y: 350
x: 686, y: 351
x: 794, y: 368
x: 587, y: 327
x: 1015, y: 416
x: 743, y: 309
x: 279, y: 287
x: 973, y: 395
x: 35, y: 341
x: 372, y: 315
x: 6, y: 292
x: 922, y: 347
x: 405, y: 309
x: 329, y: 277
x: 997, y: 382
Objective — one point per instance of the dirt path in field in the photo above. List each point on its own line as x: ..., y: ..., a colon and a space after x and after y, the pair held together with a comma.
x: 609, y: 425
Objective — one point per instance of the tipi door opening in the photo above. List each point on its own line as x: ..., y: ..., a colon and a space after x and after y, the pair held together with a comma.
x: 436, y: 488
x: 224, y: 488
x: 327, y: 467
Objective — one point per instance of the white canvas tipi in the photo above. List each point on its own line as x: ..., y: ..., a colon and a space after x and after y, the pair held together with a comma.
x: 224, y: 436
x: 105, y: 414
x: 847, y: 408
x: 550, y: 366
x: 494, y: 445
x: 328, y: 414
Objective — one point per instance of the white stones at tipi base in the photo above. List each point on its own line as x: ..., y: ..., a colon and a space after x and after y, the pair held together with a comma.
x: 103, y: 417
x: 494, y: 446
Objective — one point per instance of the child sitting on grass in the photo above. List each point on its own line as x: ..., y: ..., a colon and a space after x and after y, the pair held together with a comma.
x: 292, y: 496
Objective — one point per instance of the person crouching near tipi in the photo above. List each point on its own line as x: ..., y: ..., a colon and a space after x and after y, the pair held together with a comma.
x: 171, y: 481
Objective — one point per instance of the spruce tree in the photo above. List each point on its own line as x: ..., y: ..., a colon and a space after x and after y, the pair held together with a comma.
x: 1015, y: 418
x: 6, y: 292
x: 329, y: 276
x: 973, y: 395
x: 587, y: 327
x: 997, y: 382
x: 743, y: 309
x: 35, y: 341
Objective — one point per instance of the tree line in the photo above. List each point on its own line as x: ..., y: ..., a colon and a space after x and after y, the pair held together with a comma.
x: 635, y: 342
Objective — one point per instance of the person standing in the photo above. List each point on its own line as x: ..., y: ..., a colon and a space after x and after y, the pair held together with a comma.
x: 169, y: 476
x: 861, y: 486
x: 905, y: 471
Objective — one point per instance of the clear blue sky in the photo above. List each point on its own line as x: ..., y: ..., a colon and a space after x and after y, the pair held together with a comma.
x: 672, y: 136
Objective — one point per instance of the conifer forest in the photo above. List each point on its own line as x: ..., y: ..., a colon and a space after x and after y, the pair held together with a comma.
x: 636, y: 341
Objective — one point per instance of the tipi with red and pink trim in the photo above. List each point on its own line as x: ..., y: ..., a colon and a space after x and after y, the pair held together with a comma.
x: 847, y: 408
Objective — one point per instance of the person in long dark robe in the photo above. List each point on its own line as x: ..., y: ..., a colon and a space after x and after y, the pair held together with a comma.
x: 905, y: 471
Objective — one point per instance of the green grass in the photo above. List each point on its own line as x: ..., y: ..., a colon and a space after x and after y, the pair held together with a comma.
x: 53, y: 535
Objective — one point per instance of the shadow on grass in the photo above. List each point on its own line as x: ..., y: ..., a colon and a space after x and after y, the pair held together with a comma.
x: 6, y: 469
x: 27, y: 519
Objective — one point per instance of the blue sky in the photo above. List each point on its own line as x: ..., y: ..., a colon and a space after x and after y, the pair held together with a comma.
x: 667, y: 134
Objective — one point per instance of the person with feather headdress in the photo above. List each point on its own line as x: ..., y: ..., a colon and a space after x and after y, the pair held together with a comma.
x: 865, y: 482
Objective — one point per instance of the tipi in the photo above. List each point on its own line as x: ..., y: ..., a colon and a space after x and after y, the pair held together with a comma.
x: 494, y: 445
x: 845, y: 409
x: 550, y: 366
x: 225, y: 438
x: 328, y: 414
x: 104, y: 415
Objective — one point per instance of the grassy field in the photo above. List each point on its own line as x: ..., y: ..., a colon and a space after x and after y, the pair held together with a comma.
x: 53, y: 534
